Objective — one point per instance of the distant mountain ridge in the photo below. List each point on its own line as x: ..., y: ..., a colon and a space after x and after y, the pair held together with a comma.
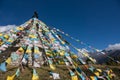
x: 101, y: 58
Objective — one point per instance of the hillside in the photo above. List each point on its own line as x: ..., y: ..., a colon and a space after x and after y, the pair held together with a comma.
x: 43, y: 72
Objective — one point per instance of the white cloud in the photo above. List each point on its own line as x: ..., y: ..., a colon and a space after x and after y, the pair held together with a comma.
x: 7, y: 27
x: 114, y: 47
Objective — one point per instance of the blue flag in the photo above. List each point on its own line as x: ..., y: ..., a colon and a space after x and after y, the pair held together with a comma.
x: 3, y: 67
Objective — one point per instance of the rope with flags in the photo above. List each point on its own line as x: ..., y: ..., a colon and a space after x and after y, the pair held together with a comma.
x: 87, y: 45
x: 96, y: 73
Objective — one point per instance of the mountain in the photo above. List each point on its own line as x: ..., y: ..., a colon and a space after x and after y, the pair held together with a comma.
x: 109, y: 57
x: 115, y: 55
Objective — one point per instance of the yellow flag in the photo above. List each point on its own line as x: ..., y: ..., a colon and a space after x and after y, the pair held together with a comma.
x: 1, y: 34
x: 10, y: 77
x: 61, y: 62
x: 32, y: 36
x: 52, y: 39
x: 62, y: 53
x: 85, y: 54
x: 111, y: 70
x: 35, y: 77
x: 6, y: 36
x: 40, y: 30
x: 10, y: 40
x: 36, y: 51
x: 92, y: 78
x: 99, y: 70
x: 74, y: 56
x: 21, y: 50
x: 8, y: 61
x: 75, y: 63
x: 97, y: 73
x: 63, y: 42
x: 1, y: 42
x: 28, y: 50
x: 48, y: 54
x: 108, y: 72
x: 74, y: 77
x: 52, y: 67
x: 19, y: 28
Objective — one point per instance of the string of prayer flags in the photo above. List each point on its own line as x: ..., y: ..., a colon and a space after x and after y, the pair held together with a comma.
x: 85, y: 44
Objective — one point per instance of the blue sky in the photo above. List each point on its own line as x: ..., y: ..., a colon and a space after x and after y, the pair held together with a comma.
x: 96, y: 22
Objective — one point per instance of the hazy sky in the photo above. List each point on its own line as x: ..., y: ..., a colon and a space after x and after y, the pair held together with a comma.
x: 96, y: 22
